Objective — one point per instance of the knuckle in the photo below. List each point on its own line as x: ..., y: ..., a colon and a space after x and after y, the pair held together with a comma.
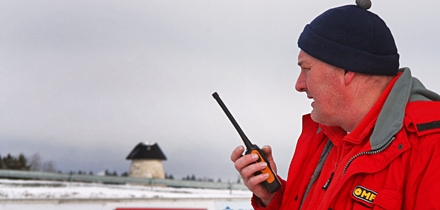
x: 250, y: 170
x: 255, y: 180
x: 238, y: 167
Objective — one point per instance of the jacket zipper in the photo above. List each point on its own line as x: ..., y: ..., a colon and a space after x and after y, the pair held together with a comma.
x: 371, y: 152
x: 328, y: 181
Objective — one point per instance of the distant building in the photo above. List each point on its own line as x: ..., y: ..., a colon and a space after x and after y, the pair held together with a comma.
x: 146, y: 161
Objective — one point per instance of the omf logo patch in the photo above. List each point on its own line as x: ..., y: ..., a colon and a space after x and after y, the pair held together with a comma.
x: 364, y: 194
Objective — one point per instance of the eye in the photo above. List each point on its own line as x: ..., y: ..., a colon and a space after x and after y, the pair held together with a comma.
x: 305, y: 69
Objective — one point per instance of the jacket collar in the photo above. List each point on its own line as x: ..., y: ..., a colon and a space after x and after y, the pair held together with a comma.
x: 390, y: 119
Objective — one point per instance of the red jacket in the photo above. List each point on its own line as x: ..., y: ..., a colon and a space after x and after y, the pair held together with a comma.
x: 391, y: 160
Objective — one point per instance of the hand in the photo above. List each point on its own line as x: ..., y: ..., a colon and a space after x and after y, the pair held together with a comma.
x: 247, y: 166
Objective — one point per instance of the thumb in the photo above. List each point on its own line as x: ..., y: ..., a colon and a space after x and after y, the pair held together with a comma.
x: 268, y: 152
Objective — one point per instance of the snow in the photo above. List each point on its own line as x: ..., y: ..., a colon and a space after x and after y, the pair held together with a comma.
x: 56, y: 195
x: 31, y: 189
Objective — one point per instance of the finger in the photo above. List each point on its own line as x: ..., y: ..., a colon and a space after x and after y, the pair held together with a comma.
x: 255, y: 181
x: 250, y: 170
x: 244, y: 161
x: 267, y: 150
x: 237, y: 153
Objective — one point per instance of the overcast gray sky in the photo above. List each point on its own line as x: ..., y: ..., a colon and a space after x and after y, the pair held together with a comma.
x: 83, y: 82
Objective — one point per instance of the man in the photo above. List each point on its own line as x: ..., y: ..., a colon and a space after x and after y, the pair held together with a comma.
x: 372, y: 139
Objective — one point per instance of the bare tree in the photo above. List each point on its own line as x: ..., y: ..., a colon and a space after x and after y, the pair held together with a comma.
x: 35, y: 162
x: 49, y: 166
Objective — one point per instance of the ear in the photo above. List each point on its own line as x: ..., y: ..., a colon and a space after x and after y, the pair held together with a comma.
x: 348, y: 77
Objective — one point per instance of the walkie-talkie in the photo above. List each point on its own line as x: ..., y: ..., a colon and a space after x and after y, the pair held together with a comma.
x: 272, y: 183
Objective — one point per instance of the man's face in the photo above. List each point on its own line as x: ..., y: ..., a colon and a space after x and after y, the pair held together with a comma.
x: 323, y: 84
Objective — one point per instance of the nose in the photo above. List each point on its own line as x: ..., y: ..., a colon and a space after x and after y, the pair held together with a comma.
x: 301, y: 84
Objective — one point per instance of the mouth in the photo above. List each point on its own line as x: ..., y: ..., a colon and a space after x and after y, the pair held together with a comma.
x: 313, y: 101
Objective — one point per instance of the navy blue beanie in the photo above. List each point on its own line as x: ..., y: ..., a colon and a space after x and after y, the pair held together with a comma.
x: 351, y: 38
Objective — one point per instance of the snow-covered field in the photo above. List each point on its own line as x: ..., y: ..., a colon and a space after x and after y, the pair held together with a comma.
x: 22, y: 194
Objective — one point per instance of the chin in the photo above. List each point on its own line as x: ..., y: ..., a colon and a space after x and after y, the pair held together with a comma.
x: 315, y: 116
x: 319, y: 118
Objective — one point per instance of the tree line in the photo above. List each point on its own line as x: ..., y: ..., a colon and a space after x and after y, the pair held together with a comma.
x: 23, y: 163
x: 36, y: 163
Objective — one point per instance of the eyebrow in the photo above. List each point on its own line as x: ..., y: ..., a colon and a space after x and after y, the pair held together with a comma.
x: 302, y: 62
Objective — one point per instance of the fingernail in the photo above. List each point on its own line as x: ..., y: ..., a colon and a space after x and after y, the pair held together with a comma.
x: 266, y: 175
x: 263, y: 164
x: 254, y: 156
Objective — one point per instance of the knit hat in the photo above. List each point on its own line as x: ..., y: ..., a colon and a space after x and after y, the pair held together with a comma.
x: 352, y: 38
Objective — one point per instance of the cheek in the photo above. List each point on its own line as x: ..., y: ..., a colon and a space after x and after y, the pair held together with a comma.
x: 319, y: 86
x: 326, y: 95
